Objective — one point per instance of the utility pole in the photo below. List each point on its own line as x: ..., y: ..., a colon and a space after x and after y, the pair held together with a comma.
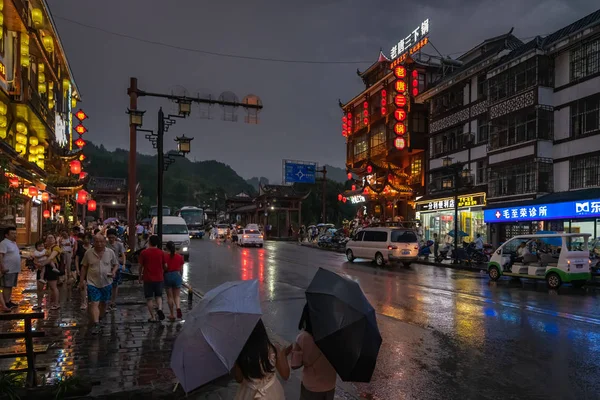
x: 160, y: 172
x: 132, y: 180
x: 324, y: 196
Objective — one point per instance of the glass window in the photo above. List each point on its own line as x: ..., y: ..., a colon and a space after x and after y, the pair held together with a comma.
x: 585, y: 116
x: 584, y: 60
x: 585, y: 172
x: 514, y: 80
x: 175, y: 230
x: 360, y: 147
x: 521, y: 178
x: 416, y: 166
x: 378, y: 141
x: 521, y: 127
x: 481, y: 175
x: 482, y: 130
x: 400, y: 236
x: 375, y: 236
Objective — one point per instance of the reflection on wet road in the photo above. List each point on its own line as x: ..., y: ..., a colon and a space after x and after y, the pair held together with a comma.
x: 447, y: 334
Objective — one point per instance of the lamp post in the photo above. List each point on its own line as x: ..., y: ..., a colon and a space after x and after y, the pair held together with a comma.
x: 457, y: 174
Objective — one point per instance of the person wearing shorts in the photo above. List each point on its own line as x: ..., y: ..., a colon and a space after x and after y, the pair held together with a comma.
x: 99, y: 268
x: 10, y: 265
x: 152, y: 266
x: 173, y: 280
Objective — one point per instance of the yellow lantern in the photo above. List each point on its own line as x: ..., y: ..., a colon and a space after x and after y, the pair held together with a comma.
x: 41, y: 77
x: 40, y: 149
x: 51, y: 104
x: 33, y: 150
x: 66, y: 84
x: 51, y: 85
x: 3, y: 121
x: 32, y: 158
x: 73, y: 102
x: 48, y: 42
x: 2, y: 133
x: 25, y: 61
x: 1, y: 5
x: 21, y: 138
x: 3, y: 108
x: 41, y: 88
x: 40, y: 163
x: 41, y: 67
x: 1, y: 24
x: 21, y: 128
x: 37, y: 17
x: 33, y: 141
x: 20, y: 148
x: 41, y: 156
x: 51, y: 93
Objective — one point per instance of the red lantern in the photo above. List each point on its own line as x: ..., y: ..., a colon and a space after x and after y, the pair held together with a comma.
x: 349, y: 175
x: 80, y: 143
x: 366, y: 191
x: 340, y: 197
x: 415, y: 74
x: 366, y: 113
x: 33, y: 191
x: 344, y: 199
x: 353, y: 187
x: 45, y: 197
x: 369, y: 169
x: 14, y: 182
x: 80, y: 129
x: 80, y: 115
x: 91, y: 205
x: 400, y: 143
x: 415, y: 92
x: 383, y: 110
x: 57, y: 208
x: 383, y: 93
x: 46, y: 214
x: 400, y: 100
x: 400, y: 72
x: 400, y: 128
x: 344, y: 119
x: 366, y: 104
x: 400, y: 86
x: 82, y: 197
x: 344, y: 133
x: 83, y: 175
x: 75, y: 167
x: 400, y: 115
x: 366, y: 121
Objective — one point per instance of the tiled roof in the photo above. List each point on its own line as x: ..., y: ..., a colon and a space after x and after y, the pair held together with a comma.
x: 281, y: 191
x: 107, y: 184
x: 535, y: 43
x: 591, y: 19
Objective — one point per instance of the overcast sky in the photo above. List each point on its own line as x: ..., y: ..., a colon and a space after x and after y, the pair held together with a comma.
x: 301, y: 119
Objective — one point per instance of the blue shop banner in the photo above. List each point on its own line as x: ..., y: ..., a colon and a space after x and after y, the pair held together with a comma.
x: 539, y: 212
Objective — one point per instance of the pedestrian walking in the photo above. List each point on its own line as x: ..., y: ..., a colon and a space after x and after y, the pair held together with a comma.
x: 99, y: 268
x: 83, y: 245
x: 318, y: 375
x: 10, y: 265
x: 117, y: 247
x: 173, y: 280
x: 152, y: 261
x: 67, y: 244
x: 50, y: 274
x: 257, y: 366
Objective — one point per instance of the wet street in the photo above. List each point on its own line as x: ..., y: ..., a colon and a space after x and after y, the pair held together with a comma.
x: 446, y: 333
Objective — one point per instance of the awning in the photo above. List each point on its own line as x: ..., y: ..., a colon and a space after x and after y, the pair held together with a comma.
x: 557, y: 197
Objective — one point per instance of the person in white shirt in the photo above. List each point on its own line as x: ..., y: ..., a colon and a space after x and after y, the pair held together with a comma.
x: 10, y: 264
x: 479, y: 242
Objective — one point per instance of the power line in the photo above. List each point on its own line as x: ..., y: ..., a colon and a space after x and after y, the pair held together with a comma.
x: 212, y: 53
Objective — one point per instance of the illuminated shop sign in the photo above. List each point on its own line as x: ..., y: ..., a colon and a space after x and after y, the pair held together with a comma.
x: 567, y: 210
x: 60, y: 130
x: 412, y: 40
x: 357, y: 199
x: 472, y: 200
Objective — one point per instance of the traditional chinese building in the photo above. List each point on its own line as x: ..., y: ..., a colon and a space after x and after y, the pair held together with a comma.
x: 386, y: 132
x: 110, y: 195
x: 37, y: 94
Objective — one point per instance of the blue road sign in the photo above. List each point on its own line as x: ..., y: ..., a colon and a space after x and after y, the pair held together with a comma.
x: 295, y: 172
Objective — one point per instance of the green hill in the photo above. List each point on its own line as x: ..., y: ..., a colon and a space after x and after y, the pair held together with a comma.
x: 185, y: 182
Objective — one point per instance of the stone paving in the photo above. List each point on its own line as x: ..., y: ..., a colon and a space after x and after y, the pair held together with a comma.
x: 130, y: 358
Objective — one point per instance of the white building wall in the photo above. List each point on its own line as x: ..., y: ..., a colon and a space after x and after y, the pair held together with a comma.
x: 577, y: 147
x: 461, y: 156
x: 511, y: 155
x: 561, y: 69
x: 562, y: 124
x: 545, y: 149
x: 561, y: 176
x: 578, y: 91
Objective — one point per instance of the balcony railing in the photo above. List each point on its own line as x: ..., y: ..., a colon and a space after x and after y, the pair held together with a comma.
x: 49, y: 116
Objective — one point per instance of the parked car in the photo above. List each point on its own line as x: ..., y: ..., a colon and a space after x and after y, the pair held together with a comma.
x: 251, y: 236
x: 384, y: 245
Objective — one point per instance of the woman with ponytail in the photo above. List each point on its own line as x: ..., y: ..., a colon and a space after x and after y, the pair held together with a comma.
x: 173, y: 280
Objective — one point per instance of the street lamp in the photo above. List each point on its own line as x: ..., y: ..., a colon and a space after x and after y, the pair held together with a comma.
x: 185, y: 107
x: 183, y: 144
x: 136, y: 117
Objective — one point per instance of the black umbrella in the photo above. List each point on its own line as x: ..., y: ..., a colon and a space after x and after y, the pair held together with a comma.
x: 344, y: 325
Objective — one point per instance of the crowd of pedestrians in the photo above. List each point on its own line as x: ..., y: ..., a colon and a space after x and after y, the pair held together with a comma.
x: 95, y: 265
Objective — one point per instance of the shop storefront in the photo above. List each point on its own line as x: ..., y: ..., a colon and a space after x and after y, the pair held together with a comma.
x: 575, y: 216
x: 437, y: 216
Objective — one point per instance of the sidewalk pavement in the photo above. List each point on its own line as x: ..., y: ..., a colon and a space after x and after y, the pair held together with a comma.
x: 129, y: 359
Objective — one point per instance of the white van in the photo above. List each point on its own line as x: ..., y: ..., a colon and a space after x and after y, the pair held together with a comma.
x: 384, y: 245
x: 175, y: 230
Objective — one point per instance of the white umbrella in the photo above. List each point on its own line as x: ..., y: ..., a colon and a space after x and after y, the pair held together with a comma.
x: 215, y: 332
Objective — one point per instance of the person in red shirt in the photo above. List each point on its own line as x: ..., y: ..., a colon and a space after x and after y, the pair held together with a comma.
x: 173, y: 280
x: 152, y: 263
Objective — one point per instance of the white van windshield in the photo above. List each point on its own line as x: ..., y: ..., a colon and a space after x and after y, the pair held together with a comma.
x: 401, y: 236
x: 175, y: 230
